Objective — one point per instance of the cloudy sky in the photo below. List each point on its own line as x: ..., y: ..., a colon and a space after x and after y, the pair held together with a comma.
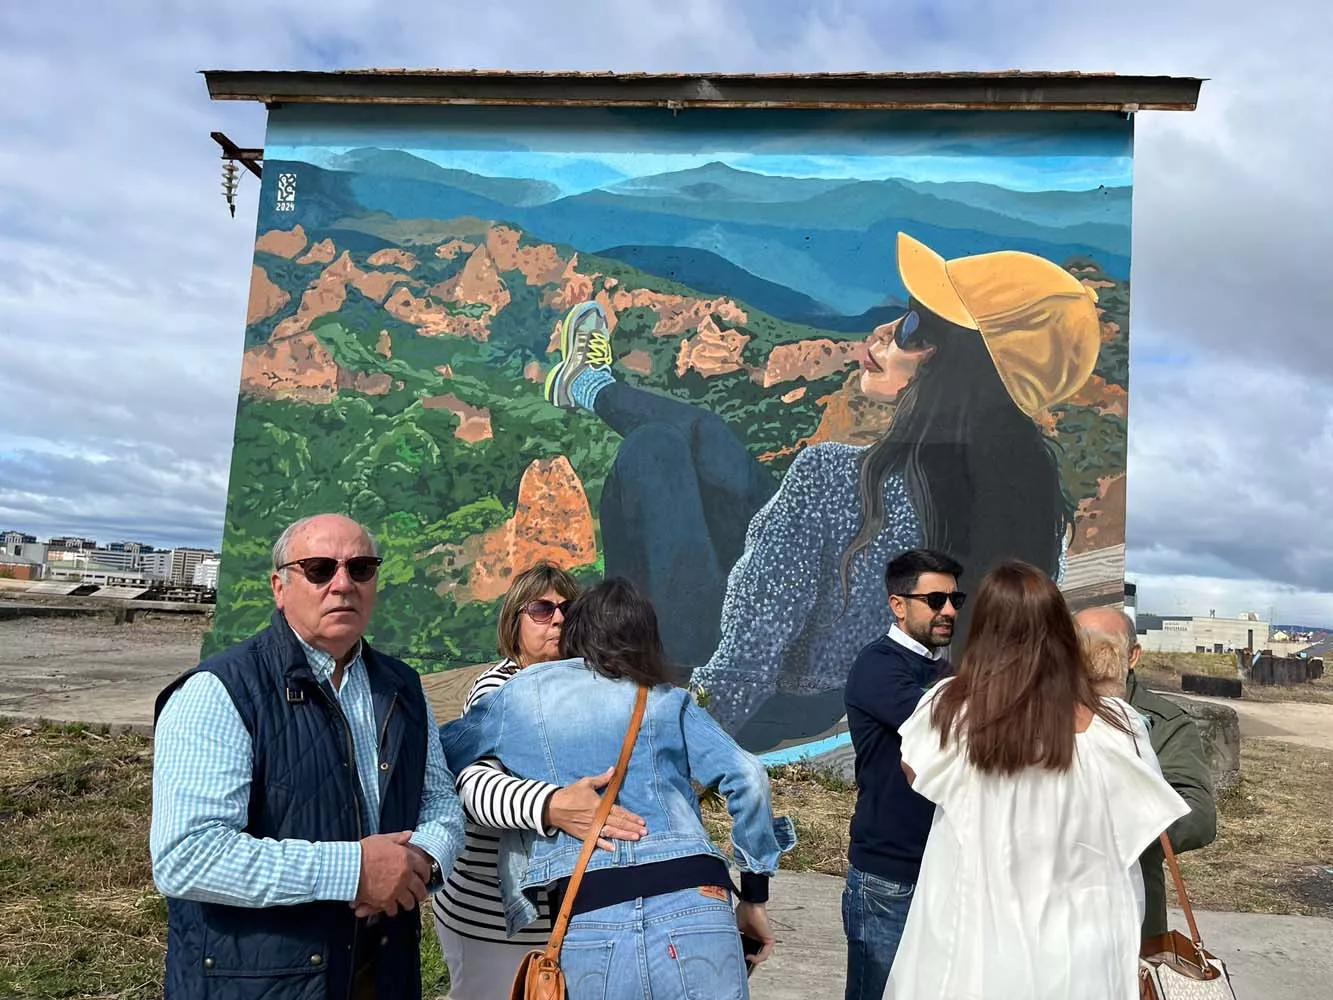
x: 123, y: 280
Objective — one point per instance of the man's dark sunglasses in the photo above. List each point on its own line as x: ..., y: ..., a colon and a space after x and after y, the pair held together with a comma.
x: 936, y: 598
x: 319, y: 570
x: 542, y: 611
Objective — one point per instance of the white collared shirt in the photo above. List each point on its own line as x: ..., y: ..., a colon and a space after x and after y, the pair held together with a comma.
x: 907, y: 642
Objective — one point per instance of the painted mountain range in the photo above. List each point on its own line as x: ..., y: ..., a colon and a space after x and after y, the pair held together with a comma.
x: 830, y: 241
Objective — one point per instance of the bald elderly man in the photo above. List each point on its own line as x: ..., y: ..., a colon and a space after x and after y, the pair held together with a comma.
x: 1114, y: 651
x: 301, y: 803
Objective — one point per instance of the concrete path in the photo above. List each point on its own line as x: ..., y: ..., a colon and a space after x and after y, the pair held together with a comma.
x: 1304, y: 723
x: 1270, y: 958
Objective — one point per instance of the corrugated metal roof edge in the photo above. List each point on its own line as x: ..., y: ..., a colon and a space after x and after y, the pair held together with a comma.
x: 1004, y: 90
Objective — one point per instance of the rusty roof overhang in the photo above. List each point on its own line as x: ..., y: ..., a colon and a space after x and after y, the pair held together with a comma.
x: 1003, y: 91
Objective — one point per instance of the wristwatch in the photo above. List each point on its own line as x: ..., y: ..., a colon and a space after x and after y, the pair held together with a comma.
x: 436, y: 875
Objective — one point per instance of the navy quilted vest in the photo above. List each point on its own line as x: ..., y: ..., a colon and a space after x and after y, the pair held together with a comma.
x: 305, y: 787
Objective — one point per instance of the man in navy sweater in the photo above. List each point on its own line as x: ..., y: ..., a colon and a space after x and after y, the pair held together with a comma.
x: 891, y: 822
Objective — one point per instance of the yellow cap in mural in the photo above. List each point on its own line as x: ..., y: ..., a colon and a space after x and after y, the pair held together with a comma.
x: 1038, y: 321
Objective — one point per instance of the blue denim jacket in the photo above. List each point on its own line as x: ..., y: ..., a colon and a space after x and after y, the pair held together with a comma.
x: 562, y: 721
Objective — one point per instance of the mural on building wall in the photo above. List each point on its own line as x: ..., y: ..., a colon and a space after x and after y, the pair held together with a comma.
x: 743, y: 358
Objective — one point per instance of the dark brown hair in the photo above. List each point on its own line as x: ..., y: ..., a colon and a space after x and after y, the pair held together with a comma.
x: 528, y: 586
x: 983, y: 480
x: 614, y: 627
x: 1022, y: 678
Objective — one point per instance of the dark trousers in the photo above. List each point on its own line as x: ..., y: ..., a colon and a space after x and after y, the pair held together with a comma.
x: 675, y: 509
x: 874, y: 913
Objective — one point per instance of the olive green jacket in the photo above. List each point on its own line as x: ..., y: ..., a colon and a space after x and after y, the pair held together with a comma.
x: 1175, y: 739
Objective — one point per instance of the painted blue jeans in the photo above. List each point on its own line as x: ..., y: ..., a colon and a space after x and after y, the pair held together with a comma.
x: 677, y: 945
x: 874, y: 913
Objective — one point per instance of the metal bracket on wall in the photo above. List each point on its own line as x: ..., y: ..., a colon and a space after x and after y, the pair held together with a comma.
x: 232, y: 154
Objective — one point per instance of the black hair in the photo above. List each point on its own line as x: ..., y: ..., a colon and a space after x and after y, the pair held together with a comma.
x: 614, y: 628
x: 903, y: 571
x: 983, y: 479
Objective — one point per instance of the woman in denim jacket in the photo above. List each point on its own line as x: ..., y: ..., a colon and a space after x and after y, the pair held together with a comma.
x: 652, y: 915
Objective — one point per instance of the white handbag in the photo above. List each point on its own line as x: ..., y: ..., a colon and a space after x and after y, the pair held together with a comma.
x: 1175, y: 967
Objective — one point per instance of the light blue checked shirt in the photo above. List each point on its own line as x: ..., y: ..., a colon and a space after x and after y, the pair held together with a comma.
x: 202, y: 765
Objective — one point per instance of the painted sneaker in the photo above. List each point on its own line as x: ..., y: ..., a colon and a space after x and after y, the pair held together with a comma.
x: 585, y: 342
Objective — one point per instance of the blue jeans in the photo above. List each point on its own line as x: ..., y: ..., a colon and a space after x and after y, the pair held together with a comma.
x: 677, y: 945
x: 874, y: 913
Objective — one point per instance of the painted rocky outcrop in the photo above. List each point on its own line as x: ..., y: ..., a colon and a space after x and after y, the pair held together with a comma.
x: 392, y: 257
x: 808, y: 359
x: 1100, y: 522
x: 283, y: 242
x: 711, y: 350
x: 552, y: 520
x: 266, y: 298
x: 322, y: 252
x: 474, y: 422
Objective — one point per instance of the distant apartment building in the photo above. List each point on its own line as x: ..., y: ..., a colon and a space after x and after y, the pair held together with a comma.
x: 70, y: 543
x: 120, y: 555
x: 156, y: 565
x: 1193, y: 634
x: 206, y: 573
x: 174, y: 566
x: 18, y: 547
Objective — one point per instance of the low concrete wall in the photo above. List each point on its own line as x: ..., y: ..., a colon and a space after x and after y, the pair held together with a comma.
x: 1219, y: 727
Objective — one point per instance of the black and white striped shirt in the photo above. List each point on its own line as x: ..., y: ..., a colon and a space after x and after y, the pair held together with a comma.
x: 494, y: 800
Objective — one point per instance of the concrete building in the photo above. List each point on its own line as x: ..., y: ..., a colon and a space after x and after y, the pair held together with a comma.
x: 70, y: 543
x: 739, y: 281
x: 156, y: 565
x: 1210, y: 634
x: 18, y: 547
x: 206, y: 573
x: 184, y: 562
x: 95, y: 575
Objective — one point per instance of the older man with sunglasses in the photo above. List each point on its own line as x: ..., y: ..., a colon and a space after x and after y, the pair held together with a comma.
x: 301, y: 803
x: 891, y: 822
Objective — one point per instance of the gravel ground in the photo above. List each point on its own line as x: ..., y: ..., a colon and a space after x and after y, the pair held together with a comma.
x: 89, y: 669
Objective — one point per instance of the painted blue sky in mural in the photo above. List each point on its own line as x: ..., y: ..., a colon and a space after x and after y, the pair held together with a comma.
x: 795, y: 213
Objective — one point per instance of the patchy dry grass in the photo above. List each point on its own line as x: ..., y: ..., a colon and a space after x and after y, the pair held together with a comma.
x: 79, y: 916
x: 820, y: 806
x: 1161, y: 672
x: 1275, y: 836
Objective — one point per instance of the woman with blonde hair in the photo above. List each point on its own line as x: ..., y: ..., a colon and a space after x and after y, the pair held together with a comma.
x: 469, y: 912
x: 1046, y: 794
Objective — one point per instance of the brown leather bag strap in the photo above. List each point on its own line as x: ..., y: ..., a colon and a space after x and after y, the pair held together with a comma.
x: 590, y: 841
x: 1181, y: 894
x: 1183, y: 897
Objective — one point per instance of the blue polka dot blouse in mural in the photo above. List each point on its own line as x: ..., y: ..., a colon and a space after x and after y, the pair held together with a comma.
x: 783, y: 624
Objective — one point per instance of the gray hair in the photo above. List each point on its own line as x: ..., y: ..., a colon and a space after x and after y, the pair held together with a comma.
x: 1108, y: 652
x: 284, y: 541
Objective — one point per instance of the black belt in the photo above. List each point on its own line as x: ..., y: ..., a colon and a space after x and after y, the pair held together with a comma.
x: 609, y: 886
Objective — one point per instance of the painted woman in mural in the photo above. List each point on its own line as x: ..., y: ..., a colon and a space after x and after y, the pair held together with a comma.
x: 769, y: 590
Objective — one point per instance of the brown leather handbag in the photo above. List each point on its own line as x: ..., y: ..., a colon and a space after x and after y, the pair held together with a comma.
x: 539, y: 975
x: 1175, y: 967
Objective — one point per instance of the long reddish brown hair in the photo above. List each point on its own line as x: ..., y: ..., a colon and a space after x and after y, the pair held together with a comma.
x: 1022, y: 679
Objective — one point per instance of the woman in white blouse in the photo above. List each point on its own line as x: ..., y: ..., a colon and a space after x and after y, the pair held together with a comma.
x: 1046, y: 795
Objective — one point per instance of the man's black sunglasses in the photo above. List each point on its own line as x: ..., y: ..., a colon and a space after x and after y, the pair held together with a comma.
x: 542, y: 611
x: 319, y: 570
x: 936, y: 598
